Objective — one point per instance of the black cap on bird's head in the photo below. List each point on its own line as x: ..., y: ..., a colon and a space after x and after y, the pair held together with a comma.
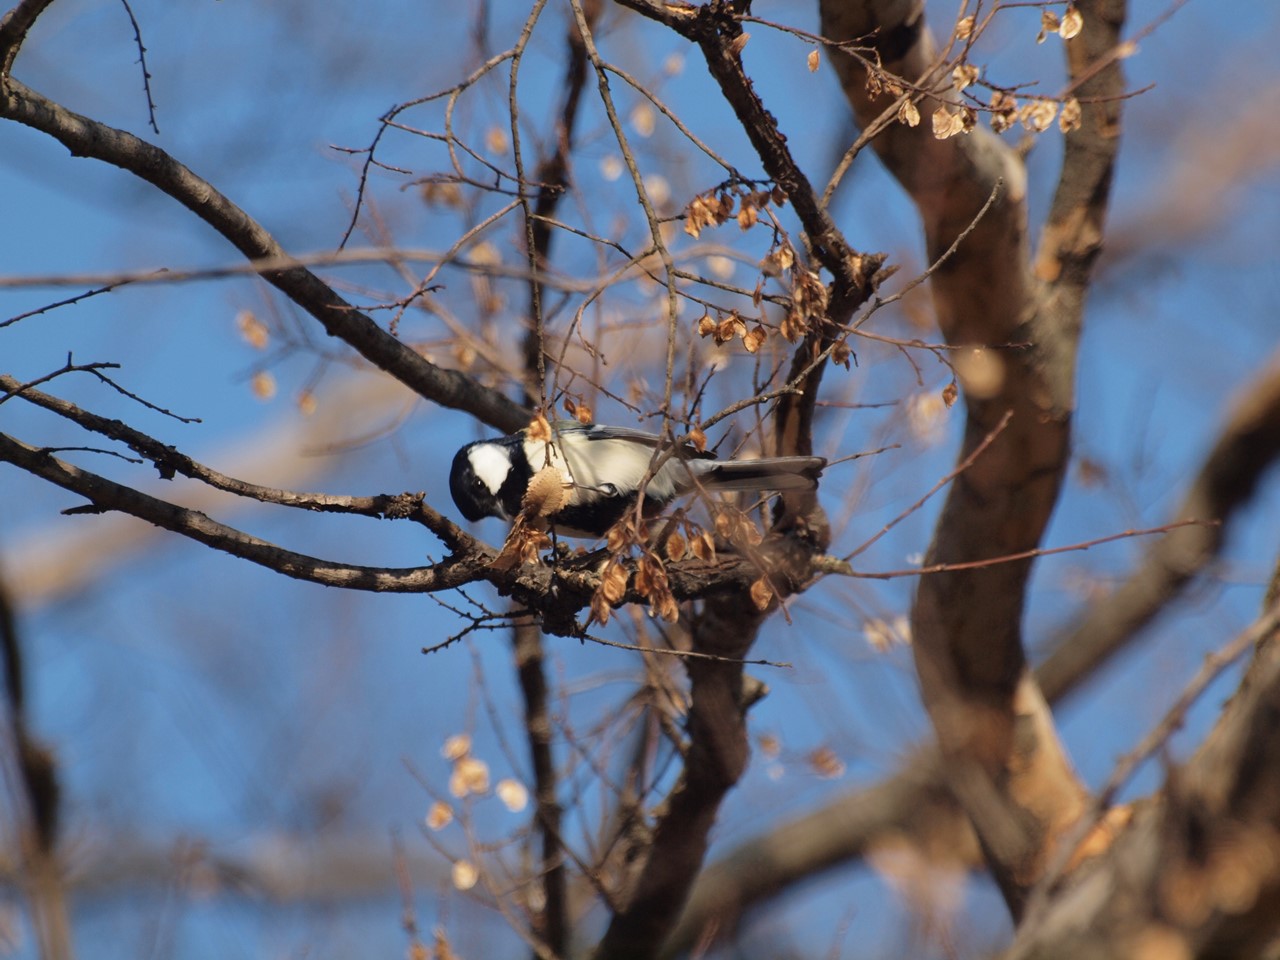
x: 470, y: 493
x: 480, y: 474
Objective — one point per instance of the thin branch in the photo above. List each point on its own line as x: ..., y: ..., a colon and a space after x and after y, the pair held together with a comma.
x: 642, y: 195
x: 841, y: 566
x: 964, y: 465
x: 142, y: 61
x: 63, y: 303
x: 1213, y: 666
x: 171, y: 462
x: 715, y: 30
x: 13, y: 31
x: 108, y: 495
x: 1227, y: 481
x: 39, y: 800
x: 86, y: 137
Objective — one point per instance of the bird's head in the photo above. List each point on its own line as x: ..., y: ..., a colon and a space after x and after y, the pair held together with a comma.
x: 479, y: 471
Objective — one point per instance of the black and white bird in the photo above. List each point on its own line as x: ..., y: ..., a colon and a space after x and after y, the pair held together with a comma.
x: 602, y: 469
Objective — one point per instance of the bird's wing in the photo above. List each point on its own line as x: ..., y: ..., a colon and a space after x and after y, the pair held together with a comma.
x: 600, y: 431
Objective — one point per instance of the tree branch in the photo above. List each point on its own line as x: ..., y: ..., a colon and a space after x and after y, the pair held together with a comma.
x: 1198, y: 873
x: 88, y: 138
x: 848, y: 826
x: 1005, y: 762
x: 714, y: 762
x: 714, y: 28
x: 106, y: 495
x: 14, y: 28
x: 1247, y: 447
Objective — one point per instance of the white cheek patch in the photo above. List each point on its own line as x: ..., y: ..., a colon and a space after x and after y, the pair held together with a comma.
x: 491, y: 464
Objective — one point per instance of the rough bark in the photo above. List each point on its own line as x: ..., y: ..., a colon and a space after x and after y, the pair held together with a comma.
x: 1198, y: 873
x: 1005, y: 763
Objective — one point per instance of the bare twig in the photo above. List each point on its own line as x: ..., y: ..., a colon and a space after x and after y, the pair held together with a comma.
x: 142, y: 62
x: 87, y: 137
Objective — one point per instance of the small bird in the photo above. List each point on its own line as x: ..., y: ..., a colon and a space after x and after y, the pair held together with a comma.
x: 601, y: 470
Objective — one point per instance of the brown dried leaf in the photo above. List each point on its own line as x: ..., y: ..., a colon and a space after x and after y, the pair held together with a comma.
x: 513, y: 794
x: 1037, y: 115
x: 878, y: 634
x: 1048, y: 24
x: 761, y: 594
x: 496, y: 140
x: 724, y: 524
x: 533, y: 543
x: 946, y: 124
x: 252, y: 329
x: 1004, y: 111
x: 600, y: 608
x: 964, y: 75
x: 644, y: 581
x: 546, y: 493
x: 748, y: 215
x: 706, y: 325
x: 909, y: 113
x: 1070, y: 117
x: 780, y: 258
x: 465, y: 875
x: 725, y: 330
x: 263, y: 385
x: 675, y: 547
x: 814, y: 59
x: 651, y: 577
x: 794, y: 325
x: 613, y: 583
x: 439, y: 816
x: 693, y: 222
x: 1072, y: 24
x: 456, y: 747
x: 472, y: 776
x: 825, y: 763
x: 667, y: 608
x: 521, y: 546
x: 704, y: 547
x: 698, y: 439
x: 643, y: 119
x: 585, y: 414
x: 949, y: 394
x: 964, y: 28
x: 618, y: 537
x: 539, y: 429
x: 440, y: 943
x: 754, y: 337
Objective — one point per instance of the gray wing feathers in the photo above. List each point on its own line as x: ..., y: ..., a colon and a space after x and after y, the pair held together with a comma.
x: 770, y: 473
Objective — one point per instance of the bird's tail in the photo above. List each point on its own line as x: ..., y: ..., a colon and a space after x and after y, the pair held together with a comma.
x: 769, y: 473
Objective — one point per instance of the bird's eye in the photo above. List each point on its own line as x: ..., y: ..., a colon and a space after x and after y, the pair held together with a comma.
x: 477, y: 484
